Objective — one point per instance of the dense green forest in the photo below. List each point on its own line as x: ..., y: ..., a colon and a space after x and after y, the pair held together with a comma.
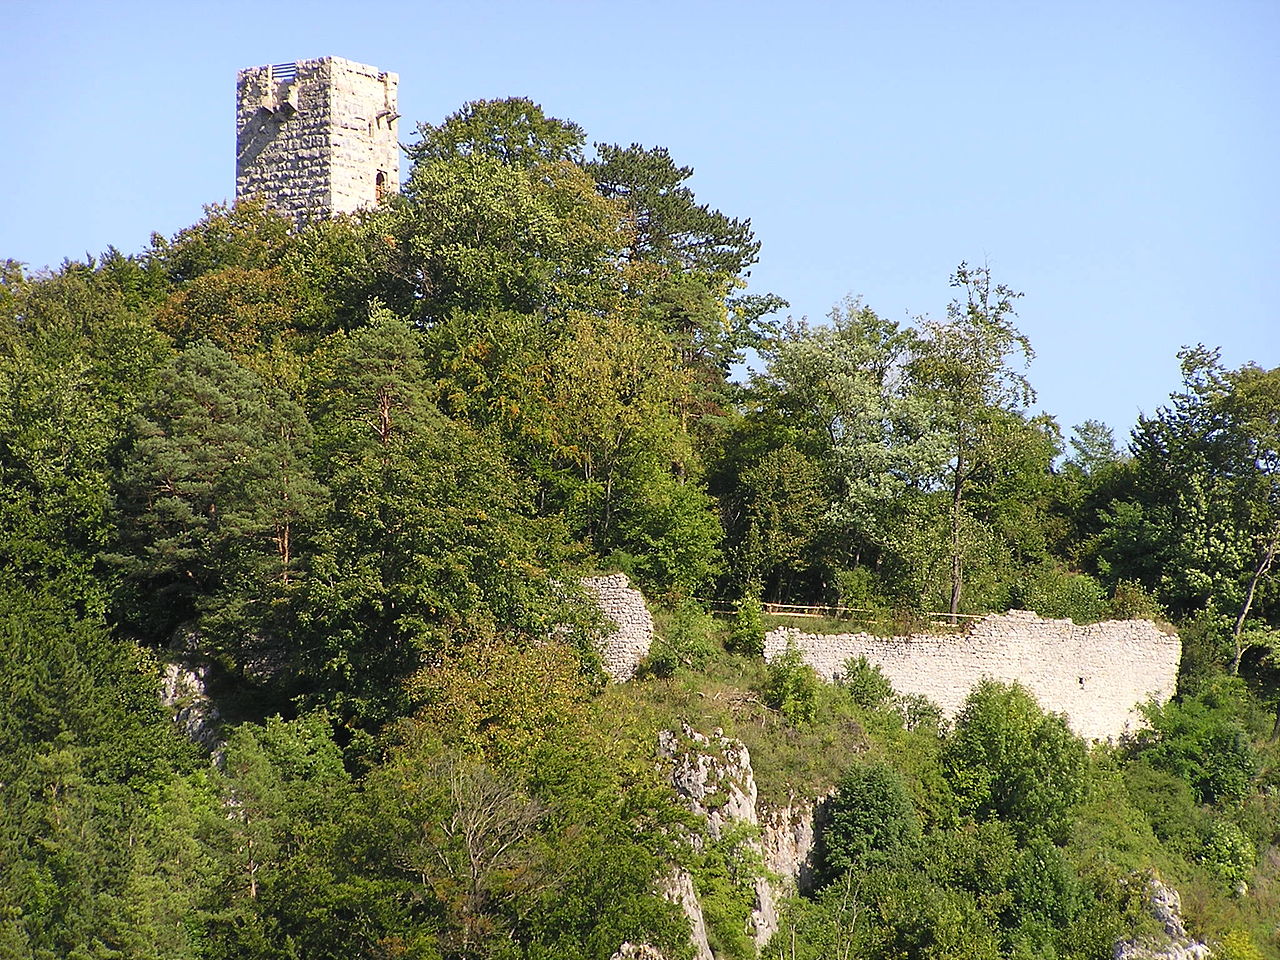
x: 357, y: 471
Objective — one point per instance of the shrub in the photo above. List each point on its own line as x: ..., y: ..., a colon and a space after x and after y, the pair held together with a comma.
x: 1130, y: 600
x: 867, y: 685
x: 1200, y: 739
x: 1237, y: 945
x: 747, y: 635
x: 918, y: 711
x: 1009, y: 759
x: 1229, y: 853
x: 871, y: 822
x: 724, y: 877
x: 1044, y: 884
x: 1168, y: 803
x: 1053, y: 592
x: 685, y: 640
x: 792, y: 688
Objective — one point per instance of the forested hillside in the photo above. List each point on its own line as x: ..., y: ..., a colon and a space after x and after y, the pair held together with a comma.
x: 356, y: 472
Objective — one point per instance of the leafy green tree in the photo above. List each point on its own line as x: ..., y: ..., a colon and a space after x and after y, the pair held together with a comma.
x: 1253, y: 413
x: 246, y: 236
x: 514, y: 131
x: 217, y: 497
x: 1197, y: 521
x: 513, y: 811
x: 961, y: 367
x: 87, y: 752
x: 845, y: 385
x: 71, y: 372
x: 870, y: 822
x: 426, y: 543
x: 283, y: 791
x: 1007, y: 759
x: 1094, y: 446
x: 690, y: 260
x: 237, y: 309
x: 473, y: 233
x: 781, y: 508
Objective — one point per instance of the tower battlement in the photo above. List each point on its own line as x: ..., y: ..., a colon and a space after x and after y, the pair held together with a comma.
x: 316, y: 137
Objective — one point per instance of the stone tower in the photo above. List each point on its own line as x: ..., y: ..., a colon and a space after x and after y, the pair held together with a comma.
x: 316, y: 137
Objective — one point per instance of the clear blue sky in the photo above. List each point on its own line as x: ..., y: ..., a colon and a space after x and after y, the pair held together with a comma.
x: 1119, y: 162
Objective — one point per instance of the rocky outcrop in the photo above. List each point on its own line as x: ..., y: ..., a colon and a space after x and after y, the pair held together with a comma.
x: 787, y: 835
x: 1165, y: 905
x: 631, y: 630
x: 637, y: 951
x: 713, y: 775
x: 679, y: 890
x: 184, y: 689
x: 1097, y: 674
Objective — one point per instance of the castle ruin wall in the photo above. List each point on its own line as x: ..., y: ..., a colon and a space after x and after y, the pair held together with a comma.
x: 1097, y: 674
x: 316, y: 137
x: 629, y: 624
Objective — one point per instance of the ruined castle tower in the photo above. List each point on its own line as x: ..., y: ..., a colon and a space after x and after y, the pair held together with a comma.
x: 316, y: 137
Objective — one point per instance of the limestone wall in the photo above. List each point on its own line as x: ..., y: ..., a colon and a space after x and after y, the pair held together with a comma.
x: 623, y: 606
x: 1096, y: 674
x: 312, y: 137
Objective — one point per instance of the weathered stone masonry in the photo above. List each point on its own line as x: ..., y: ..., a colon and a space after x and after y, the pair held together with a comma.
x: 623, y: 606
x: 316, y: 137
x: 1096, y: 674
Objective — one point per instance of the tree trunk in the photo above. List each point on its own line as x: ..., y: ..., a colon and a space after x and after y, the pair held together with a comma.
x: 957, y: 570
x: 1259, y: 572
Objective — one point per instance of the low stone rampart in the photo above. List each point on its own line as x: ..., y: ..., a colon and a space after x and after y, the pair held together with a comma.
x: 1097, y: 674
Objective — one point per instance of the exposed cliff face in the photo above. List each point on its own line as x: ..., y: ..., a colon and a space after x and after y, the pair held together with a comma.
x: 183, y: 688
x: 679, y: 890
x: 713, y: 774
x: 1165, y: 905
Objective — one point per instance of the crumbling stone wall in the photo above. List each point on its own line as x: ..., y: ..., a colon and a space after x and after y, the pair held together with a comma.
x: 623, y: 606
x: 316, y: 137
x: 1096, y: 674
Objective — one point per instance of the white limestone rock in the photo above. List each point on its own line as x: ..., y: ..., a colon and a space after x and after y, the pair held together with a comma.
x: 183, y: 686
x: 1165, y: 905
x: 713, y: 775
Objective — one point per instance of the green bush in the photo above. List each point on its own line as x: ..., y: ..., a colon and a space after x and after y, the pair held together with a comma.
x: 724, y: 877
x: 792, y: 688
x: 1130, y: 600
x: 684, y: 638
x: 1229, y: 853
x: 918, y: 711
x: 871, y: 821
x: 1009, y: 759
x: 867, y: 685
x: 1168, y: 803
x: 747, y: 634
x: 1053, y: 592
x: 1200, y: 739
x: 1237, y: 945
x: 1044, y: 884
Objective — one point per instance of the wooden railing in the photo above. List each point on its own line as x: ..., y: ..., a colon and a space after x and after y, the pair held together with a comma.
x: 835, y: 612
